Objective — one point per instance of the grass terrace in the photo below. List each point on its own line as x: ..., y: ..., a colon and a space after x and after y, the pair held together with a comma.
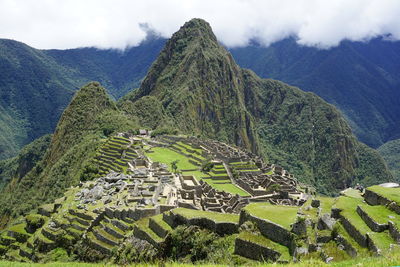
x: 348, y: 206
x: 215, y: 216
x: 263, y: 241
x: 381, y: 214
x: 389, y: 193
x: 282, y: 215
x: 326, y: 204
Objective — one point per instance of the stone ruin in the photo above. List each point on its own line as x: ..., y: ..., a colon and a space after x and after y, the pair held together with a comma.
x: 267, y: 182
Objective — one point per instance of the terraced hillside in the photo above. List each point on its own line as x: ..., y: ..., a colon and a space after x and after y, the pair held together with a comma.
x: 154, y: 194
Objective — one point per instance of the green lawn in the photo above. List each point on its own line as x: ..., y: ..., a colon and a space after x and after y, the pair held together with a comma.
x: 282, y: 215
x: 389, y: 193
x: 166, y: 155
x: 215, y: 216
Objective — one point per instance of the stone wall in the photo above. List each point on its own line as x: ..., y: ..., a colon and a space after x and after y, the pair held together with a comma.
x: 353, y: 232
x: 255, y: 251
x: 139, y: 233
x: 347, y: 246
x: 221, y: 228
x: 270, y: 230
x: 157, y: 228
x: 394, y: 232
x: 376, y: 227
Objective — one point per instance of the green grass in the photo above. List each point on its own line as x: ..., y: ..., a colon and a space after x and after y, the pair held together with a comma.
x: 389, y: 193
x: 348, y: 205
x: 326, y: 204
x: 332, y: 250
x: 361, y: 251
x: 215, y: 216
x: 143, y: 224
x: 350, y: 192
x: 282, y: 215
x: 263, y: 241
x: 166, y: 155
x: 159, y: 220
x: 19, y: 228
x: 381, y: 214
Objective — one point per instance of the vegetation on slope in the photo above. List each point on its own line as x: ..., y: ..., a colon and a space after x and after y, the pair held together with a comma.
x: 390, y: 152
x: 37, y: 85
x: 360, y: 78
x: 29, y: 156
x: 87, y: 120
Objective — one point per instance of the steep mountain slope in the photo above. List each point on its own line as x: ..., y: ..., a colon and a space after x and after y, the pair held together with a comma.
x: 36, y: 85
x: 390, y: 151
x: 33, y: 92
x: 28, y: 157
x: 202, y: 90
x: 90, y: 116
x: 118, y: 71
x: 361, y: 79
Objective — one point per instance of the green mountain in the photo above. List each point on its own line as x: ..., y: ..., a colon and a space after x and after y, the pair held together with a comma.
x: 390, y: 152
x: 36, y: 85
x: 33, y: 92
x: 359, y: 78
x: 89, y: 118
x: 199, y: 87
x: 28, y: 157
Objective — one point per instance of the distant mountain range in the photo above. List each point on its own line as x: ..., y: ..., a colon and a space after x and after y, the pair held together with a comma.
x: 37, y: 85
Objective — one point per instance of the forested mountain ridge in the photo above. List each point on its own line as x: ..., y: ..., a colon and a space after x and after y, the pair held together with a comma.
x: 359, y: 78
x: 36, y: 85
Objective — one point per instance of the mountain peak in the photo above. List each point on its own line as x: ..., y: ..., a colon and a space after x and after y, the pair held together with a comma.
x: 196, y: 28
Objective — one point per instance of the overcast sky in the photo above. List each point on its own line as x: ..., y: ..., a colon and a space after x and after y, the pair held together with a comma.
x: 116, y: 23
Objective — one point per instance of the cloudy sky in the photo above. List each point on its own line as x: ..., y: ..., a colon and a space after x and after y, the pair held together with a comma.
x: 116, y: 23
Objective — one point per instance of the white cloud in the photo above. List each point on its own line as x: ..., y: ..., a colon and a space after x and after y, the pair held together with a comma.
x: 116, y: 23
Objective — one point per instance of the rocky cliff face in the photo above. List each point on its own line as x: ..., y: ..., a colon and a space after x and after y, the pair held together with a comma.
x: 203, y: 91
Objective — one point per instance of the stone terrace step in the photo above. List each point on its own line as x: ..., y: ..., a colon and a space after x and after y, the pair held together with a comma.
x: 105, y: 237
x: 98, y: 245
x: 257, y: 247
x: 121, y: 225
x: 143, y: 231
x: 113, y: 230
x: 159, y: 226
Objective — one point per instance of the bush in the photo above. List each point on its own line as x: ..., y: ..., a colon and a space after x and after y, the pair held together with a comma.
x: 89, y: 172
x: 34, y: 221
x: 207, y: 165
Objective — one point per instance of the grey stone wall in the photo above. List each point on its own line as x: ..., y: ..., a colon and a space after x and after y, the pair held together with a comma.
x: 161, y: 232
x: 374, y: 199
x: 139, y: 233
x: 376, y: 227
x: 221, y: 228
x: 347, y: 246
x: 255, y: 251
x: 394, y: 232
x: 353, y: 232
x: 270, y: 230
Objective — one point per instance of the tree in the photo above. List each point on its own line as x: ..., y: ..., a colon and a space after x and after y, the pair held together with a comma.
x: 174, y: 165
